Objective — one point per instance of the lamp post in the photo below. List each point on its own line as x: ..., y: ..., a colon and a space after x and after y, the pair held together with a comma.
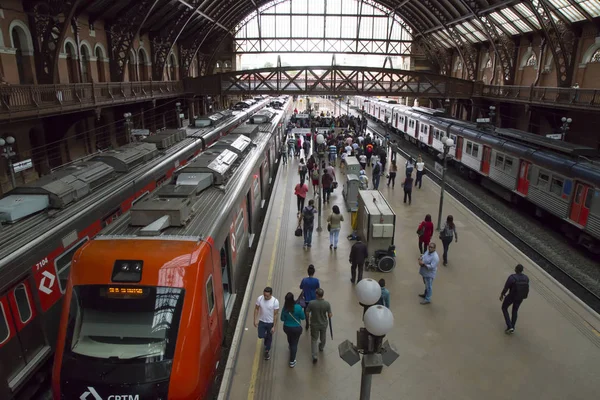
x: 448, y: 143
x: 320, y: 157
x: 565, y: 127
x: 8, y: 153
x: 179, y: 117
x: 492, y: 115
x: 128, y: 125
x: 348, y: 106
x: 378, y: 321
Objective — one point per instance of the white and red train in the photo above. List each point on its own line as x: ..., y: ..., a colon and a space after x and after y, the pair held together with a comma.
x: 560, y: 178
x: 44, y: 223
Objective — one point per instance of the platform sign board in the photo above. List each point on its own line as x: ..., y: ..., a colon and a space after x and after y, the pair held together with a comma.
x: 554, y: 136
x: 483, y: 120
x: 439, y: 168
x: 23, y: 165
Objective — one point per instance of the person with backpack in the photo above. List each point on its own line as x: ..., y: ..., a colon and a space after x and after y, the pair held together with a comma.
x: 409, y: 167
x: 314, y: 176
x: 517, y: 286
x: 376, y: 174
x: 291, y: 316
x: 284, y: 155
x: 302, y: 170
x: 309, y: 285
x: 307, y: 219
x: 291, y: 143
x: 363, y: 180
x: 425, y: 232
x: 447, y: 234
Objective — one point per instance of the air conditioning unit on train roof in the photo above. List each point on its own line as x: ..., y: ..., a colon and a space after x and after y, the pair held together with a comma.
x: 246, y: 130
x: 262, y: 117
x: 124, y: 159
x: 236, y: 143
x: 216, y: 161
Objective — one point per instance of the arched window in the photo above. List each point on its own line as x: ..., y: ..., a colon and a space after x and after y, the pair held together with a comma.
x: 100, y: 64
x: 531, y: 61
x: 19, y: 55
x: 459, y: 66
x: 227, y: 64
x: 142, y: 65
x: 85, y: 65
x: 596, y: 56
x: 172, y: 67
x: 132, y: 67
x: 71, y: 63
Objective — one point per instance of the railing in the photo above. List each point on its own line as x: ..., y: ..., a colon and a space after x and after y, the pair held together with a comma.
x: 20, y: 101
x: 566, y: 97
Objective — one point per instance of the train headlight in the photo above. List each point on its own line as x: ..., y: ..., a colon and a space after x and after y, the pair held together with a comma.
x: 127, y: 271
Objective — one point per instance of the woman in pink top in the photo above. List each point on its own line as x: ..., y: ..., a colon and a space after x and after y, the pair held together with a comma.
x: 300, y: 191
x: 426, y: 232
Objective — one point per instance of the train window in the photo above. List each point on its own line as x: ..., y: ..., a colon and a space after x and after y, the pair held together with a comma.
x: 499, y: 161
x: 239, y: 229
x: 588, y: 198
x: 557, y: 186
x: 22, y: 300
x: 543, y: 179
x: 4, y: 328
x: 475, y: 150
x: 62, y: 264
x: 210, y: 294
x: 508, y: 164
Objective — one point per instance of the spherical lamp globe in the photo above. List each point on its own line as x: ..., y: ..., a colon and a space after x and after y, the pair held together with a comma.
x: 320, y: 138
x: 379, y: 320
x: 449, y: 142
x: 368, y: 291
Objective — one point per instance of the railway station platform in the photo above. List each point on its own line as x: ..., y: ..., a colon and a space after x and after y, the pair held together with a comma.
x: 453, y: 348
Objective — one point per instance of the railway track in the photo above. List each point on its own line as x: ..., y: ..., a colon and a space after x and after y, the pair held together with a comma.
x: 589, y: 295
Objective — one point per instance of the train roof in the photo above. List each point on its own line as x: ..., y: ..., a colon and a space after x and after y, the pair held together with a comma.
x: 200, y: 196
x: 571, y: 149
x: 34, y: 229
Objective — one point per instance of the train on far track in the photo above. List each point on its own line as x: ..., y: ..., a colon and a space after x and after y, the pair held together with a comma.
x: 558, y: 178
x: 147, y: 300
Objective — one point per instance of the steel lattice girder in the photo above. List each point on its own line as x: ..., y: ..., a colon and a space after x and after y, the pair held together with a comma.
x: 49, y: 31
x: 561, y: 41
x: 332, y: 80
x: 121, y: 34
x: 349, y: 46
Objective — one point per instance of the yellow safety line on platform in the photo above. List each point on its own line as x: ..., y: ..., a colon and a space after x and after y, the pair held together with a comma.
x: 257, y: 352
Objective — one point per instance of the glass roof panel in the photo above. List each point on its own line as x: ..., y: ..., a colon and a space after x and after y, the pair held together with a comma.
x: 475, y: 31
x: 516, y: 20
x: 591, y: 6
x: 565, y: 8
x: 500, y: 19
x: 527, y: 13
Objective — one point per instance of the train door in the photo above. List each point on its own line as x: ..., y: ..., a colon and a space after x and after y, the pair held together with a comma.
x: 485, y: 161
x: 226, y: 272
x: 214, y: 326
x: 580, y: 208
x: 10, y: 347
x: 430, y: 136
x: 28, y: 342
x: 249, y: 211
x: 523, y: 183
x: 459, y: 147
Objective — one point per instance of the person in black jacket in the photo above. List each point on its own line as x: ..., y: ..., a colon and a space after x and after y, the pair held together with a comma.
x: 358, y: 255
x: 517, y: 286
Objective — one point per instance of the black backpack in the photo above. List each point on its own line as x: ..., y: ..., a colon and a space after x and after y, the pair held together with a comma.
x: 377, y: 169
x: 308, y: 215
x: 521, y: 286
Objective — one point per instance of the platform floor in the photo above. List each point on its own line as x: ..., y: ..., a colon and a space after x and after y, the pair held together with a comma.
x: 454, y: 348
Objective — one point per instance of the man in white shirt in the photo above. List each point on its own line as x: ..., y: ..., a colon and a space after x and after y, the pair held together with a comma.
x: 420, y: 172
x: 265, y: 318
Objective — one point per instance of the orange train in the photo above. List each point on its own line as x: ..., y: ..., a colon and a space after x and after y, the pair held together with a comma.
x: 148, y: 300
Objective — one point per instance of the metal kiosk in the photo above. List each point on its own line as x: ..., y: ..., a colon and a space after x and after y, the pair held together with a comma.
x: 352, y: 166
x: 376, y: 225
x: 350, y: 192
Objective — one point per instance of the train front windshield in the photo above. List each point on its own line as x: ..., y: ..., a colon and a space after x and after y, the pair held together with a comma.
x: 121, y: 324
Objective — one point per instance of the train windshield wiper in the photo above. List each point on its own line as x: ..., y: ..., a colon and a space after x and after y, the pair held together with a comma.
x: 117, y: 362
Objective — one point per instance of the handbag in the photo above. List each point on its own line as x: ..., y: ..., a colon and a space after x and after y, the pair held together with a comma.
x: 328, y: 227
x: 298, y: 232
x: 301, y: 301
x: 421, y: 231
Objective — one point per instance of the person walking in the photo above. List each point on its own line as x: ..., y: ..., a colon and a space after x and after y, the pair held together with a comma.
x: 302, y: 169
x: 409, y: 167
x: 392, y: 174
x: 309, y: 285
x: 363, y: 180
x: 300, y: 191
x: 307, y: 219
x: 446, y: 235
x: 265, y: 318
x: 334, y: 221
x: 517, y: 286
x: 314, y: 176
x: 425, y: 232
x: 284, y: 156
x: 428, y: 263
x: 327, y: 181
x: 384, y: 300
x: 358, y: 256
x: 376, y: 173
x: 420, y: 171
x: 407, y: 185
x: 291, y: 316
x: 318, y: 313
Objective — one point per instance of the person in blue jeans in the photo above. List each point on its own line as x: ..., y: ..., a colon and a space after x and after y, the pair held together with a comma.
x: 291, y: 316
x: 307, y: 218
x: 265, y: 318
x: 428, y: 267
x: 309, y: 285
